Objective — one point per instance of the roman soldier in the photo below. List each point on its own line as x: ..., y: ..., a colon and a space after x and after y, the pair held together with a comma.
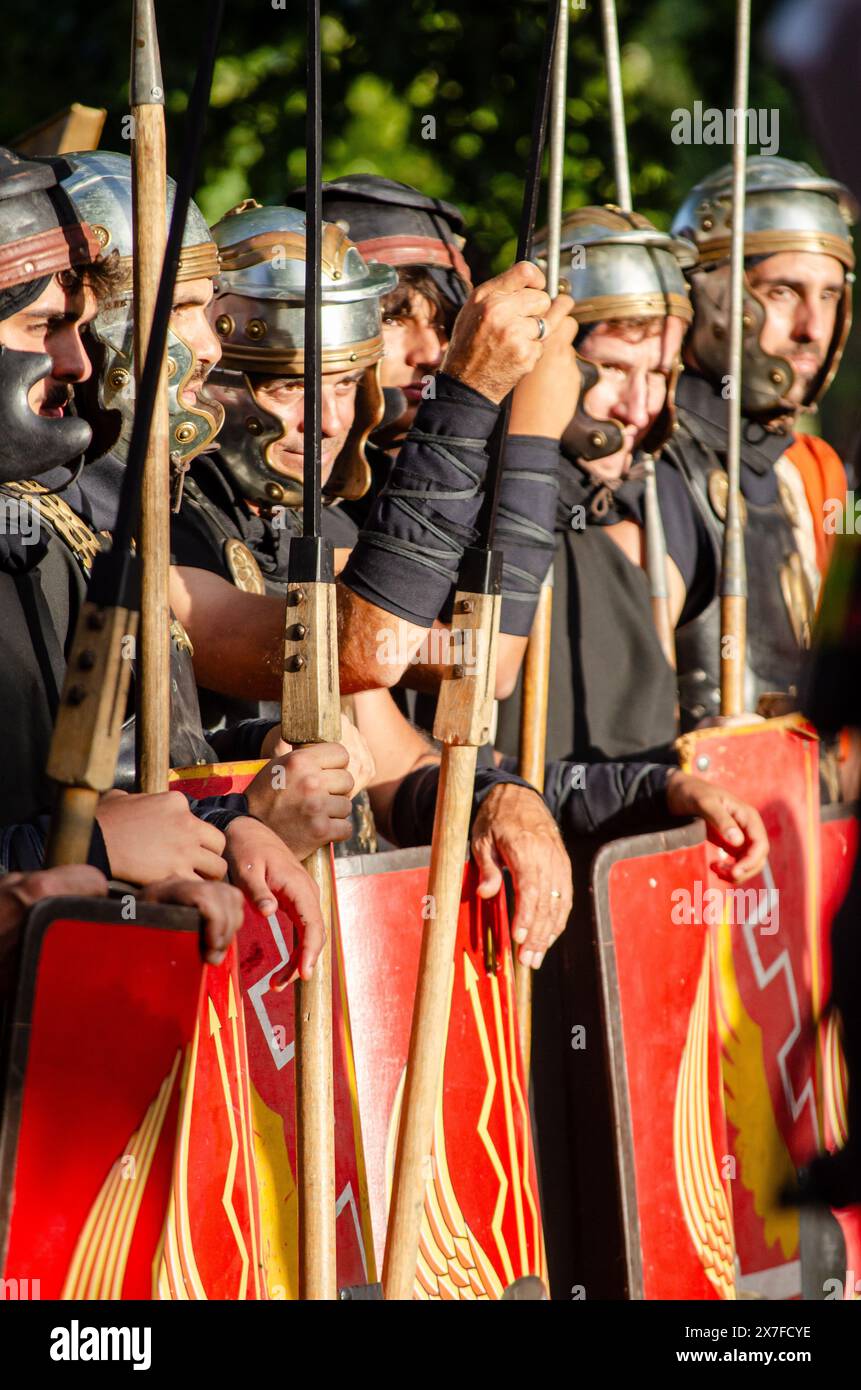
x: 799, y: 262
x: 604, y: 406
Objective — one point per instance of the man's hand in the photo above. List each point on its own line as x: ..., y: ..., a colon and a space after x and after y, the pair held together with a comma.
x: 271, y: 876
x: 304, y: 796
x: 738, y: 825
x: 495, y: 338
x: 151, y: 837
x: 221, y: 907
x: 514, y: 828
x: 544, y: 402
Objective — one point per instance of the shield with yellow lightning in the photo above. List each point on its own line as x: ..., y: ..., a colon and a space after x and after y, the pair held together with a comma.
x: 101, y: 1159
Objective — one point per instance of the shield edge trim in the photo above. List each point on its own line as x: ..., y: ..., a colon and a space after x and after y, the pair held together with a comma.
x: 631, y: 847
x: 18, y: 1024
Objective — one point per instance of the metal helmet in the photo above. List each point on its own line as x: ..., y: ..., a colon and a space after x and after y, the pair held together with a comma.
x: 788, y: 207
x: 617, y: 265
x: 41, y: 235
x: 259, y: 314
x: 100, y: 185
x: 396, y: 224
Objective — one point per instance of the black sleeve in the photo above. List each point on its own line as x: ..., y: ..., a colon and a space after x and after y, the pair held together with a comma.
x: 415, y: 800
x: 220, y: 810
x: 239, y: 742
x: 617, y: 798
x: 22, y: 847
x: 192, y: 543
x: 689, y: 544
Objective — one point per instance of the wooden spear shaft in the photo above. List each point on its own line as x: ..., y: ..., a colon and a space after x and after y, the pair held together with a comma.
x: 536, y: 664
x: 149, y: 201
x: 733, y: 587
x: 311, y: 713
x: 462, y: 725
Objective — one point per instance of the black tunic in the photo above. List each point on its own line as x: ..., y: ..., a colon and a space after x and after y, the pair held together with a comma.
x: 612, y: 692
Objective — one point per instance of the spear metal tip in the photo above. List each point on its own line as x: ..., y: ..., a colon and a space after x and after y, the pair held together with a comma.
x: 145, y: 84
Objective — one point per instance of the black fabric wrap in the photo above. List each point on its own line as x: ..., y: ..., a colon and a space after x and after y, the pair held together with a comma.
x: 408, y: 554
x: 221, y: 811
x: 616, y: 798
x: 525, y: 526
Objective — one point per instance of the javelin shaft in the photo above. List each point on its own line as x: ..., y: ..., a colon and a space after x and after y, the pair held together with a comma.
x: 311, y: 503
x: 617, y: 103
x: 733, y: 589
x: 528, y: 213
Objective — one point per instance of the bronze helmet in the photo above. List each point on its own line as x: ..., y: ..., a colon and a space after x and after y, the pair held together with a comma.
x: 259, y: 315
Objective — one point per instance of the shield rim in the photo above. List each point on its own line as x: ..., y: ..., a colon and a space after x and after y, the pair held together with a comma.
x: 631, y: 847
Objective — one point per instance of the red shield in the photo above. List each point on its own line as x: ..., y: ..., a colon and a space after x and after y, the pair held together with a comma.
x: 658, y: 983
x: 783, y: 1075
x: 482, y: 1223
x: 101, y: 1030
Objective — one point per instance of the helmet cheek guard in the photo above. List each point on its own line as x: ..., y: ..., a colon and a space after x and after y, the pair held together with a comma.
x: 32, y: 444
x: 586, y: 437
x: 246, y: 439
x: 192, y: 427
x: 351, y: 476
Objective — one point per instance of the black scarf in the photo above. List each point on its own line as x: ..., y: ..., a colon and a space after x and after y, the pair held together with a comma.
x: 605, y: 503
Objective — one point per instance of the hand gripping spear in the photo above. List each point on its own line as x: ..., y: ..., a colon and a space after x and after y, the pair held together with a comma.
x: 311, y: 713
x: 462, y: 725
x: 86, y: 737
x: 536, y: 664
x: 733, y: 584
x: 149, y: 200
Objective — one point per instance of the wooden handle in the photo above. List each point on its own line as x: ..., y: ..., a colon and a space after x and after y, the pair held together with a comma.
x: 71, y: 827
x: 315, y: 1129
x: 430, y: 1020
x: 533, y: 745
x: 153, y: 707
x: 733, y: 626
x: 536, y: 691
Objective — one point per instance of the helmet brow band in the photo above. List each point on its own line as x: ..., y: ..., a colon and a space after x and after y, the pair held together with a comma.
x: 771, y: 243
x: 618, y: 306
x: 291, y: 362
x: 46, y: 253
x: 415, y: 250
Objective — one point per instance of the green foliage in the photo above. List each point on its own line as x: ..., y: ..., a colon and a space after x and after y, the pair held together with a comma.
x: 387, y: 67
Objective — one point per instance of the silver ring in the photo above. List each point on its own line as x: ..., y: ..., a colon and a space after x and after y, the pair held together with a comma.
x: 542, y: 329
x: 554, y: 893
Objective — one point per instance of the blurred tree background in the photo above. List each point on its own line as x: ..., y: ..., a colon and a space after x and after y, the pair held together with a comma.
x: 389, y: 66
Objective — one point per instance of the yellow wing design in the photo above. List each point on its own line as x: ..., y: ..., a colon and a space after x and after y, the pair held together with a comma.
x: 704, y: 1200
